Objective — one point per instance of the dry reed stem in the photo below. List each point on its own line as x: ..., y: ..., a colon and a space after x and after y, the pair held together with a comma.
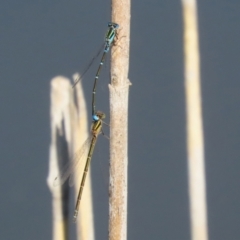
x: 68, y: 125
x: 119, y: 89
x: 195, y: 141
x: 85, y: 222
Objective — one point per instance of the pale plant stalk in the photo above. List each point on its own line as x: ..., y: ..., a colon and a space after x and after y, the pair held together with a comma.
x: 69, y: 125
x: 85, y: 221
x: 119, y: 90
x: 59, y: 112
x: 195, y: 140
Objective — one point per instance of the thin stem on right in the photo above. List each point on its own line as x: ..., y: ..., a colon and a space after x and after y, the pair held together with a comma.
x: 195, y: 140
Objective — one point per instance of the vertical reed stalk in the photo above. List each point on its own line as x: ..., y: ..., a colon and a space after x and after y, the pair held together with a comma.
x: 119, y: 89
x: 195, y: 141
x: 85, y: 221
x: 68, y: 132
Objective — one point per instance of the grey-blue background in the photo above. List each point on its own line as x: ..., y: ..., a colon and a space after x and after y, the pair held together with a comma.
x: 42, y: 39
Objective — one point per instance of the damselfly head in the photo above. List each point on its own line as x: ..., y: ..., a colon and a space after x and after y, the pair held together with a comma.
x: 113, y: 25
x: 100, y: 115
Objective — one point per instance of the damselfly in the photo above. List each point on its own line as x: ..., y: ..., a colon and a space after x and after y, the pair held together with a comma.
x: 70, y: 167
x: 109, y: 40
x: 108, y: 43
